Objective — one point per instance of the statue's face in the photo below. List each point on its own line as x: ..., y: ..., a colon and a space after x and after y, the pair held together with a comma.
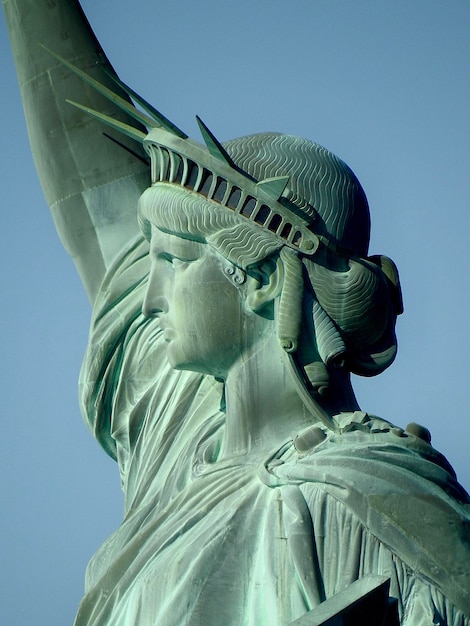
x: 199, y: 309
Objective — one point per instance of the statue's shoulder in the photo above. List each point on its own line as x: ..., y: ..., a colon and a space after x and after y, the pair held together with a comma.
x: 396, y: 485
x: 359, y: 433
x: 367, y: 452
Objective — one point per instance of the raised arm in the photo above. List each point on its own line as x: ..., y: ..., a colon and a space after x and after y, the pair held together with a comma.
x: 91, y: 183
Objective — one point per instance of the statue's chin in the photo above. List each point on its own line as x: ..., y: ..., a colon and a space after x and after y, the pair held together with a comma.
x: 179, y: 362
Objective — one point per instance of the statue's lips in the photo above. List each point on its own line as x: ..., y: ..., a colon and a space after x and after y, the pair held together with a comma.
x: 168, y: 334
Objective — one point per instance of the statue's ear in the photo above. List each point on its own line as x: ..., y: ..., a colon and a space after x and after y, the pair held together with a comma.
x: 264, y: 284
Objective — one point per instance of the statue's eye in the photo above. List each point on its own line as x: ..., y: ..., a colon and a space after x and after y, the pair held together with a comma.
x: 165, y: 256
x: 174, y: 260
x: 179, y: 263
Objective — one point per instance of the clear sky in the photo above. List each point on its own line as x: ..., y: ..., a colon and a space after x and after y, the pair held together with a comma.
x: 384, y: 85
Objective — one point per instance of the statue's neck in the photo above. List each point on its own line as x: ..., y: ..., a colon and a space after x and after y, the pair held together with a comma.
x: 263, y: 407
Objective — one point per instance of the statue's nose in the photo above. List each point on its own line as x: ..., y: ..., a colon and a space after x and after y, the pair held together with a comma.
x: 153, y: 305
x: 155, y: 302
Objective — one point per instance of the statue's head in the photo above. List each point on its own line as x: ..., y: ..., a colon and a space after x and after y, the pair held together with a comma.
x: 281, y: 225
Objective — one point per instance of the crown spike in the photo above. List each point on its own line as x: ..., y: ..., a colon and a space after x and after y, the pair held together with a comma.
x: 129, y: 150
x: 130, y: 131
x: 214, y: 146
x: 273, y: 187
x: 107, y: 93
x: 161, y: 120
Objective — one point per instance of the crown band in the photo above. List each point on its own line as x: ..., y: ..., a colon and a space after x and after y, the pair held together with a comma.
x: 191, y: 166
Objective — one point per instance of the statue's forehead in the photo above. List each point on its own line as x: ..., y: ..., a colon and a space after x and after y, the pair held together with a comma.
x: 181, y: 247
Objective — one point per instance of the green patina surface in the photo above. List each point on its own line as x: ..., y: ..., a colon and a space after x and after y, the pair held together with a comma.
x: 227, y: 320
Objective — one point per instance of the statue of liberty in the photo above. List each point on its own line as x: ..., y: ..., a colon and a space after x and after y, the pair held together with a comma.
x: 232, y: 296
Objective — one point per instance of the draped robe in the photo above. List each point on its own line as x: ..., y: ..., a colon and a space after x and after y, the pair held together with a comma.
x: 253, y: 540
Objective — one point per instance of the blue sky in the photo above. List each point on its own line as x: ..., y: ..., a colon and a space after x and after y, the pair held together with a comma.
x: 385, y: 85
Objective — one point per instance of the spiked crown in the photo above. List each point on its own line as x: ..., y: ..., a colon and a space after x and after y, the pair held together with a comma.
x: 313, y: 197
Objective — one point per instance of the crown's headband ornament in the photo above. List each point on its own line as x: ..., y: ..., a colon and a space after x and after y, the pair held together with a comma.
x: 207, y: 170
